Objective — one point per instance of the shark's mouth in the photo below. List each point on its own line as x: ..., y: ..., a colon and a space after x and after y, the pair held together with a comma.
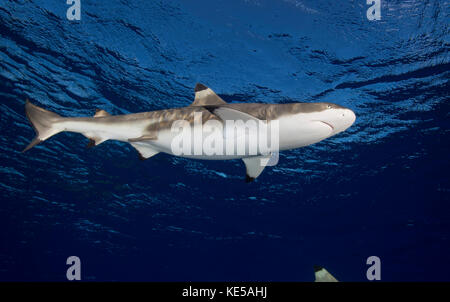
x: 329, y: 125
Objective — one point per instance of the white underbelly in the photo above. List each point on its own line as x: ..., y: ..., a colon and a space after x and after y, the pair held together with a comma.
x: 120, y: 131
x: 210, y: 146
x: 297, y: 132
x: 290, y: 133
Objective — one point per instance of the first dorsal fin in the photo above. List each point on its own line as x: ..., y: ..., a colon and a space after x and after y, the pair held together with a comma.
x: 100, y: 113
x: 205, y: 96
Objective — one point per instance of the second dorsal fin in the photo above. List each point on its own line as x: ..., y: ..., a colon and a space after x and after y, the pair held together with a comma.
x: 205, y: 96
x: 100, y: 113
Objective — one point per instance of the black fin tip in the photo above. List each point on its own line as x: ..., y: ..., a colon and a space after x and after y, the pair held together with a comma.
x: 200, y: 87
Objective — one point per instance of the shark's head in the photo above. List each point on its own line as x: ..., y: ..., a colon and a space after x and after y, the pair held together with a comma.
x: 303, y: 124
x: 338, y: 118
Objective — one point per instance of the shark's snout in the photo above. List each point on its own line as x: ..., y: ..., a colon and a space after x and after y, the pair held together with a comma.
x: 338, y: 119
x: 349, y: 117
x: 343, y: 120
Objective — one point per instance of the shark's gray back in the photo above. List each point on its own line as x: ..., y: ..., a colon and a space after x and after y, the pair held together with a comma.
x: 163, y: 119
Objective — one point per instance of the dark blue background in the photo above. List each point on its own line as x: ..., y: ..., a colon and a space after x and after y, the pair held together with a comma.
x: 381, y: 188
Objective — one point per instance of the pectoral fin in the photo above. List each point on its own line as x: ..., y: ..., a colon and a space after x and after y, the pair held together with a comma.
x: 225, y: 113
x: 254, y: 166
x: 322, y: 275
x: 248, y: 122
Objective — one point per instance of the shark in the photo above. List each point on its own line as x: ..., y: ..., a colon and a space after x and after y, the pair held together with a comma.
x: 150, y: 133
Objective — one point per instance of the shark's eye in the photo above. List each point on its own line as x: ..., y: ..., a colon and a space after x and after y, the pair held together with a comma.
x: 329, y: 106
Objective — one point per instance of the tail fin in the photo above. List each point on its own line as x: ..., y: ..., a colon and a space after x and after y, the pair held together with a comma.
x: 43, y: 122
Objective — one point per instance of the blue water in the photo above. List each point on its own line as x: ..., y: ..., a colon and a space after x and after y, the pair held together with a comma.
x: 381, y: 188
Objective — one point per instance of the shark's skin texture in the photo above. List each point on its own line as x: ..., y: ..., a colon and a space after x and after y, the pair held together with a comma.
x: 300, y: 124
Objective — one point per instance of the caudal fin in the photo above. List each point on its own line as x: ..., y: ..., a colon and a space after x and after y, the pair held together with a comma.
x: 43, y: 122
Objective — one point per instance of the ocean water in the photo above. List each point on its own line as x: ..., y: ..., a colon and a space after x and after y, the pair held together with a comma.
x: 380, y: 189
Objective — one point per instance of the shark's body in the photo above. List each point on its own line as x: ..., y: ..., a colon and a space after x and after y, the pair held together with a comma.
x: 300, y: 124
